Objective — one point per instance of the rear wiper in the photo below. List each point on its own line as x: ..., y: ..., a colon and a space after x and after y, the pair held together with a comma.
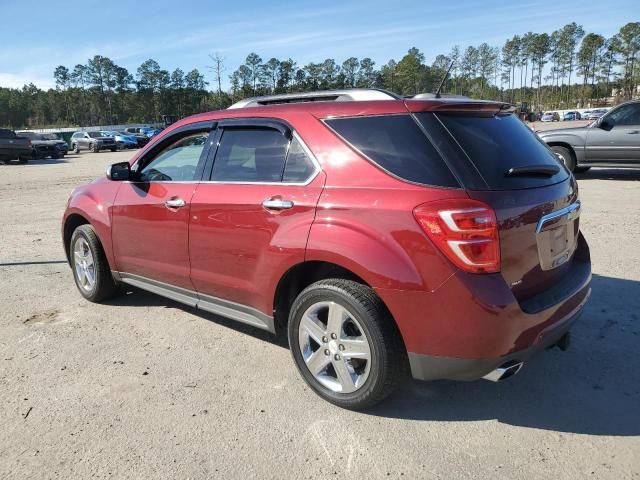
x: 533, y: 170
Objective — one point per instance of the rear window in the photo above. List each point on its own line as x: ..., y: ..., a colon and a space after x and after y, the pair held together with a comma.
x: 398, y: 145
x: 494, y: 144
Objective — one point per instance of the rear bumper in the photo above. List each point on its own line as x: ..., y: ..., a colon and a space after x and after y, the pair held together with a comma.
x: 472, y: 324
x: 432, y: 367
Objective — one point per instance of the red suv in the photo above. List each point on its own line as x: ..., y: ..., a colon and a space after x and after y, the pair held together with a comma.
x: 385, y: 234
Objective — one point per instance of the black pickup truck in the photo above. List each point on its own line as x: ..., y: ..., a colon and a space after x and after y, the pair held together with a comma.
x: 14, y: 147
x: 45, y: 145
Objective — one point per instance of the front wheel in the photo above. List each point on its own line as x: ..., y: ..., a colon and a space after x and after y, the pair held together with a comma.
x: 90, y: 267
x: 95, y: 148
x: 76, y: 148
x: 565, y: 156
x: 345, y: 344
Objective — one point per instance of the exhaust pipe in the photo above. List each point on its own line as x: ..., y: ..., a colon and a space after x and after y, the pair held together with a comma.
x: 503, y: 372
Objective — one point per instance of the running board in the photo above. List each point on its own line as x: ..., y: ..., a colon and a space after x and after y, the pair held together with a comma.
x: 218, y: 306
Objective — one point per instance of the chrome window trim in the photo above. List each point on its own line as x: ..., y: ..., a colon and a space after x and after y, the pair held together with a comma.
x: 572, y: 211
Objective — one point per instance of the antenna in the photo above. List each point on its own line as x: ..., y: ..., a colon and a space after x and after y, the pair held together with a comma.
x: 444, y: 79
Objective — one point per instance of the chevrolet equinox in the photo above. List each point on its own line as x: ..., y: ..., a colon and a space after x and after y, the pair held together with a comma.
x: 386, y: 235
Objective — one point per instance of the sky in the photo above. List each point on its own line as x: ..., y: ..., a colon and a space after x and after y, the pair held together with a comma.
x: 183, y: 33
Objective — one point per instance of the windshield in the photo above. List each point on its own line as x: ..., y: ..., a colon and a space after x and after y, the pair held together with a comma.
x: 95, y: 134
x: 50, y: 136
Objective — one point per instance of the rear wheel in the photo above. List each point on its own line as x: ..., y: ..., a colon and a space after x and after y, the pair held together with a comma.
x: 345, y: 343
x: 89, y: 264
x: 566, y: 156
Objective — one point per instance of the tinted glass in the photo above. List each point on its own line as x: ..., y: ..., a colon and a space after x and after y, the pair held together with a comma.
x: 250, y: 155
x: 299, y: 166
x: 6, y: 134
x: 95, y: 134
x: 497, y: 143
x: 177, y: 162
x: 625, y: 115
x: 396, y: 143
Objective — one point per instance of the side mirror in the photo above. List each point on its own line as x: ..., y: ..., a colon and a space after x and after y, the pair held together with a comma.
x: 119, y: 171
x: 604, y: 124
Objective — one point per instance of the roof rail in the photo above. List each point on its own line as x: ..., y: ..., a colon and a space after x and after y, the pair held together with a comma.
x: 428, y: 96
x: 346, y: 95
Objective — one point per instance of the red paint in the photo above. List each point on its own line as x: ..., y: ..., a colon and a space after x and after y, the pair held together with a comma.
x: 352, y: 214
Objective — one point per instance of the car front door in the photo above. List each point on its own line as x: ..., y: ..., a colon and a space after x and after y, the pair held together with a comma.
x: 250, y: 222
x: 151, y: 212
x: 615, y: 138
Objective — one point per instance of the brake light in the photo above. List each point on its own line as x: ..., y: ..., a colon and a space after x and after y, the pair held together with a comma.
x: 465, y: 230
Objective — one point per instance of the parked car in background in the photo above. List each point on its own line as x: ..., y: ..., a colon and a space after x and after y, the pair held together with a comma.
x: 45, y: 145
x: 94, y: 141
x: 551, y: 117
x: 147, y: 131
x: 572, y: 116
x: 13, y: 147
x: 140, y: 138
x: 595, y: 114
x: 123, y: 140
x: 612, y: 141
x: 438, y: 236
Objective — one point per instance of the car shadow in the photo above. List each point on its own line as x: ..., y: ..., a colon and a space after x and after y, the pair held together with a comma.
x: 627, y: 174
x: 593, y: 388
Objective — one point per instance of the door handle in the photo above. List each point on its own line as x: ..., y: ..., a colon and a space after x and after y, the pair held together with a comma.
x: 277, y: 204
x: 175, y: 203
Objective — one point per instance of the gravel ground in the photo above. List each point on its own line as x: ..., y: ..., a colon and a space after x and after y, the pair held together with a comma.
x: 145, y: 388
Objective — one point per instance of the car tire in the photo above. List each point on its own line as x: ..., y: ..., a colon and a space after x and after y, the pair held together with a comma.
x: 55, y: 156
x: 89, y: 264
x: 113, y: 149
x: 365, y: 327
x: 23, y: 160
x: 566, y: 156
x: 94, y: 147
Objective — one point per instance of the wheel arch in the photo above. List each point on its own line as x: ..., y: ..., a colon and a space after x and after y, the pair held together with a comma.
x: 299, y: 277
x: 73, y: 221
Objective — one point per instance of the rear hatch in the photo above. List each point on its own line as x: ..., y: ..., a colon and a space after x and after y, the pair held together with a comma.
x: 504, y: 164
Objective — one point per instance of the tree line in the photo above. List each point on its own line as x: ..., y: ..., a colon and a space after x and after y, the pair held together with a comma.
x: 566, y: 68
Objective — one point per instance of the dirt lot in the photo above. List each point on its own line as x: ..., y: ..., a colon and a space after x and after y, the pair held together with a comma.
x: 146, y: 388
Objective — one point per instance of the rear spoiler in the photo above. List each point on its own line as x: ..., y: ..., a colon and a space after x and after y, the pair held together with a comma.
x: 459, y: 106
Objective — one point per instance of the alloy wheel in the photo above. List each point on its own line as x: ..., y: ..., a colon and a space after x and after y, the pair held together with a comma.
x: 334, y: 347
x: 84, y: 264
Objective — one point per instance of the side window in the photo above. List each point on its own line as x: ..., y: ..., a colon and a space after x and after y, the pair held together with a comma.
x: 250, y: 155
x: 625, y: 115
x: 396, y: 144
x: 299, y: 166
x: 178, y: 162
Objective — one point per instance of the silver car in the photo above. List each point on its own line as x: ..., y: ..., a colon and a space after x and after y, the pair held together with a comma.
x: 611, y: 141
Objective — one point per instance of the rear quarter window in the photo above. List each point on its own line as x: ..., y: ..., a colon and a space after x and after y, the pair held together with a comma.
x: 496, y: 143
x: 398, y: 145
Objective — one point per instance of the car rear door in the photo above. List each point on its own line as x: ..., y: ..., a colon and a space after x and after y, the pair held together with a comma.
x: 250, y: 222
x: 151, y: 213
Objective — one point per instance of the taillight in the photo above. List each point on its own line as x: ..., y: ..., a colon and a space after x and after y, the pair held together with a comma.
x: 465, y: 230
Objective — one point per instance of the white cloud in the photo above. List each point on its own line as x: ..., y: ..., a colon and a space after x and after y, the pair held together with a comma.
x: 13, y: 80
